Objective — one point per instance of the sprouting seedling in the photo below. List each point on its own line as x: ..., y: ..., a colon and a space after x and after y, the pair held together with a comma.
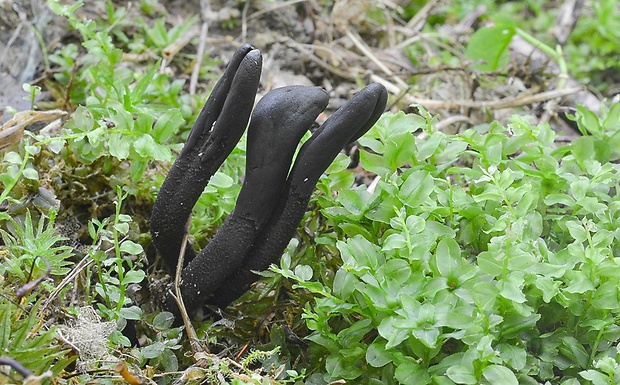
x: 29, y: 286
x: 33, y: 92
x: 273, y: 199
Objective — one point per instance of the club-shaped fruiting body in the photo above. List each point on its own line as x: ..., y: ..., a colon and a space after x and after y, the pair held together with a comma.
x: 346, y: 125
x: 217, y: 130
x: 277, y: 125
x: 273, y: 199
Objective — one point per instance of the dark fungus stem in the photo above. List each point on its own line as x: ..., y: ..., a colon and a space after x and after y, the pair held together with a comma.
x: 272, y: 200
x: 279, y: 121
x: 217, y: 130
x: 347, y: 124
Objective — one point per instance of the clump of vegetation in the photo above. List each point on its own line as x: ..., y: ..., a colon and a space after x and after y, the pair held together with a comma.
x: 485, y: 256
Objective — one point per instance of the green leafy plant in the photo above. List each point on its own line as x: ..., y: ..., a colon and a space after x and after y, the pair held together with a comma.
x: 226, y: 371
x: 25, y: 341
x: 600, y: 135
x: 483, y: 257
x: 588, y: 52
x: 14, y: 166
x: 115, y: 122
x: 161, y: 37
x: 117, y: 273
x: 31, y: 250
x: 159, y: 351
x: 25, y: 242
x: 490, y: 47
x: 593, y: 44
x: 33, y: 92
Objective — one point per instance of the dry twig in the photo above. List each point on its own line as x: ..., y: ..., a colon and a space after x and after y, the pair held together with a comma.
x: 509, y: 102
x: 172, y: 49
x: 205, y: 5
x: 350, y: 75
x: 84, y: 263
x: 368, y: 53
x: 191, y: 333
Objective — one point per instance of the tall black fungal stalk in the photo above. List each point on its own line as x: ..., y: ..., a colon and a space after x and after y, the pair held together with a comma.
x: 215, y: 134
x: 277, y: 125
x: 272, y: 200
x: 346, y: 125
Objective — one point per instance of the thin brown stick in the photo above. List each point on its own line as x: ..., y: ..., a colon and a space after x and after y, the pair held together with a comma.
x: 244, y: 21
x: 509, y: 102
x: 368, y: 53
x: 204, y: 31
x: 84, y: 262
x: 441, y: 125
x: 193, y: 82
x: 173, y: 48
x: 407, y: 42
x: 418, y: 21
x: 389, y: 27
x: 350, y: 75
x: 391, y: 87
x: 191, y: 332
x: 74, y: 69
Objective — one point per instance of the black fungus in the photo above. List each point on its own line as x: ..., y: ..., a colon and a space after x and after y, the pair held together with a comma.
x: 272, y: 200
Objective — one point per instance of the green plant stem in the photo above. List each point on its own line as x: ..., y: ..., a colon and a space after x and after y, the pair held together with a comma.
x: 102, y: 281
x: 20, y: 172
x: 556, y: 54
x: 594, y: 349
x: 119, y: 259
x: 539, y: 44
x: 403, y: 223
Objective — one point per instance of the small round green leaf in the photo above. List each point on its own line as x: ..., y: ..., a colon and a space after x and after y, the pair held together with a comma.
x: 131, y: 247
x: 497, y: 374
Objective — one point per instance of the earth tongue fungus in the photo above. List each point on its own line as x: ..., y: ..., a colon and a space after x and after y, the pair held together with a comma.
x: 274, y: 196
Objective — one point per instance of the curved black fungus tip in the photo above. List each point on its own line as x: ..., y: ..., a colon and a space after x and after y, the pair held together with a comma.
x: 279, y: 121
x: 374, y: 91
x: 213, y: 107
x: 230, y: 125
x: 350, y: 122
x: 217, y: 130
